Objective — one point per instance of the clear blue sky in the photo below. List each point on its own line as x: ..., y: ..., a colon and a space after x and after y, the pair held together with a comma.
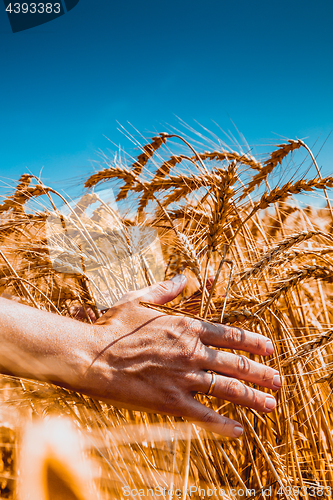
x: 267, y: 65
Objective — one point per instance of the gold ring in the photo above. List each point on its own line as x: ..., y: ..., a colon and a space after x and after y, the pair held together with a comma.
x: 212, y: 384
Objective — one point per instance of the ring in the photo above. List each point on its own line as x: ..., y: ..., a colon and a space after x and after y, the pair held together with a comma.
x: 212, y: 384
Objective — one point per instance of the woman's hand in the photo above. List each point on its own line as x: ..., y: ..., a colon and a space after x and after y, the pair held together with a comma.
x: 139, y: 358
x: 146, y: 360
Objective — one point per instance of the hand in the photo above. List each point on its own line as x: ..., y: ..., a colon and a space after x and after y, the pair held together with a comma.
x: 146, y: 360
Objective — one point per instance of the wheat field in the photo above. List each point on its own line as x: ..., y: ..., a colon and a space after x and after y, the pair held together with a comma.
x: 255, y: 257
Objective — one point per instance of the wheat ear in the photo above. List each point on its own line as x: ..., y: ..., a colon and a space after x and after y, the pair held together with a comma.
x: 307, y: 272
x: 308, y: 347
x: 231, y: 156
x: 275, y: 159
x: 141, y: 161
x: 270, y: 256
x: 22, y: 194
x: 320, y: 176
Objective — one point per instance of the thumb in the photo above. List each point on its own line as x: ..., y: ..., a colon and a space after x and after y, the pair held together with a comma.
x: 159, y: 293
x: 165, y: 291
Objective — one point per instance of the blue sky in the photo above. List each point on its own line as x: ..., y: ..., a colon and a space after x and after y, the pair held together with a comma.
x: 265, y: 65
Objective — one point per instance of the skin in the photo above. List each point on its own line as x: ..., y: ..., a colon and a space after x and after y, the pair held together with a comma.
x: 139, y: 358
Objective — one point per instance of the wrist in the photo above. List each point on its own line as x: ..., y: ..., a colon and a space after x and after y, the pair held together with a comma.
x: 71, y: 361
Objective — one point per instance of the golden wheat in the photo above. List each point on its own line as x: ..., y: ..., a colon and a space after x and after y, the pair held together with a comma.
x: 78, y: 265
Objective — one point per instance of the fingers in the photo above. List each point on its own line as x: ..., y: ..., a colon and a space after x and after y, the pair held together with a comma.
x: 236, y: 392
x: 210, y: 420
x: 235, y: 338
x: 214, y: 335
x: 229, y: 364
x: 243, y: 368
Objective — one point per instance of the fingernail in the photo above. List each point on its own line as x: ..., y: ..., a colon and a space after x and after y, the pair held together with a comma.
x: 178, y: 278
x: 269, y: 347
x: 238, y: 431
x: 277, y: 381
x: 270, y: 403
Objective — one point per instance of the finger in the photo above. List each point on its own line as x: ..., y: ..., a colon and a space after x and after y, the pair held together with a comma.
x: 243, y: 368
x: 235, y: 338
x: 236, y: 392
x: 159, y: 293
x: 210, y: 420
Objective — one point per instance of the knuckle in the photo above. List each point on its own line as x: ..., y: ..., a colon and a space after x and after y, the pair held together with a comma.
x: 255, y: 398
x: 233, y: 389
x: 243, y: 364
x: 161, y: 288
x: 201, y: 352
x: 172, y: 398
x: 193, y: 326
x: 235, y: 335
x: 190, y: 351
x: 260, y: 343
x: 191, y: 380
x: 182, y: 324
x: 208, y: 417
x: 268, y: 375
x: 189, y: 345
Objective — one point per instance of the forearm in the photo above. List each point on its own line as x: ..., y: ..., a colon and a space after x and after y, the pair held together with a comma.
x: 41, y: 345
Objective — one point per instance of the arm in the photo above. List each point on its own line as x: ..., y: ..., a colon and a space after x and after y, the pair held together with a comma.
x: 139, y: 358
x: 42, y: 346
